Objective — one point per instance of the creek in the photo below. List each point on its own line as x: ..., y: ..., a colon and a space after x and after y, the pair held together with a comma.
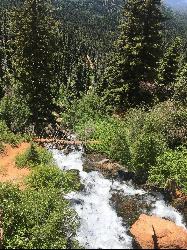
x: 101, y: 227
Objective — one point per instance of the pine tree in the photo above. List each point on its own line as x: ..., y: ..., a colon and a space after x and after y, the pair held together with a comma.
x: 35, y: 61
x: 138, y: 50
x: 1, y: 54
x: 180, y: 86
x: 80, y: 79
x: 168, y: 69
x: 76, y: 69
x: 2, y: 47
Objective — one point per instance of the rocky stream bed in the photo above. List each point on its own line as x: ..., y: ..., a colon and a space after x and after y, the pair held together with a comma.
x: 109, y: 203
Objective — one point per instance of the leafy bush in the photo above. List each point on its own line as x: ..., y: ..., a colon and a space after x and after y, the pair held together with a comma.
x: 167, y: 118
x: 111, y: 136
x: 39, y: 219
x: 170, y: 119
x: 170, y: 166
x: 134, y: 122
x: 144, y: 152
x: 34, y: 156
x: 53, y: 177
x: 7, y: 136
x: 133, y: 147
x: 89, y: 107
x: 120, y: 148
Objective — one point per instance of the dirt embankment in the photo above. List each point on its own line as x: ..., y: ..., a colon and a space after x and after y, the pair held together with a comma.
x: 8, y: 170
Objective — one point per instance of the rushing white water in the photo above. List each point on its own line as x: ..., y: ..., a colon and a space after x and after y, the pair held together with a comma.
x: 165, y: 211
x: 100, y: 227
x: 69, y: 161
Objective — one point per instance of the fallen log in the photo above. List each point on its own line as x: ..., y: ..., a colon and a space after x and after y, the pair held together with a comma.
x: 63, y: 142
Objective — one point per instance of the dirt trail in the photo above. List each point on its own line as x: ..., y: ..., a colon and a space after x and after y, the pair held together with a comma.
x: 8, y: 171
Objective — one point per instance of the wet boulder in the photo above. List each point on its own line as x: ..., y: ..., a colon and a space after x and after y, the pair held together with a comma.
x: 130, y: 207
x: 93, y: 161
x: 125, y: 175
x: 151, y: 232
x: 109, y: 168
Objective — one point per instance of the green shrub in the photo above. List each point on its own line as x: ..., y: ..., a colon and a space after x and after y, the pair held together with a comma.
x: 88, y: 107
x: 134, y: 148
x: 120, y: 148
x: 7, y: 136
x: 52, y: 176
x: 39, y: 219
x: 111, y: 136
x: 170, y: 166
x: 134, y: 122
x: 145, y: 150
x: 102, y: 130
x: 170, y: 119
x: 34, y: 156
x: 167, y: 118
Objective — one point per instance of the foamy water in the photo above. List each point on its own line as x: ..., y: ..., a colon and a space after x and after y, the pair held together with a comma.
x: 100, y: 227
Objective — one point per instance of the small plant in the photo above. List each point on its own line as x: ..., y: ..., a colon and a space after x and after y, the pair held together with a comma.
x: 170, y: 120
x: 34, y: 156
x: 51, y: 176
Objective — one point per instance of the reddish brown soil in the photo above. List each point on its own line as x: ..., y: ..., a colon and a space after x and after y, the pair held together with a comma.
x: 8, y: 171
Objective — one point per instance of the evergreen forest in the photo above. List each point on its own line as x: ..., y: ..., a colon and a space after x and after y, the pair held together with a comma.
x: 111, y: 72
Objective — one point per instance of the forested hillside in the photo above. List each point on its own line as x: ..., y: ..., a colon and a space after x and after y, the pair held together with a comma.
x: 111, y: 72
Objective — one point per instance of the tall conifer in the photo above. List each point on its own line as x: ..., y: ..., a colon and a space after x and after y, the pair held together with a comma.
x: 168, y: 69
x: 36, y: 57
x: 180, y: 86
x: 138, y: 50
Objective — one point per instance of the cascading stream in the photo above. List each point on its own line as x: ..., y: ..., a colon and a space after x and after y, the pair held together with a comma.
x: 100, y: 227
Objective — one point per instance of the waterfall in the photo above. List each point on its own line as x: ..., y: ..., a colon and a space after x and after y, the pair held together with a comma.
x: 100, y: 226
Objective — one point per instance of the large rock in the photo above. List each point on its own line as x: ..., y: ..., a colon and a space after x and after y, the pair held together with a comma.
x: 109, y: 168
x: 129, y: 207
x: 151, y: 232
